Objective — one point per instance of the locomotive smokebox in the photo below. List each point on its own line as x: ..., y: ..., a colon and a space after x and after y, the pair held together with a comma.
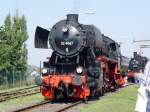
x: 72, y: 17
x: 66, y: 37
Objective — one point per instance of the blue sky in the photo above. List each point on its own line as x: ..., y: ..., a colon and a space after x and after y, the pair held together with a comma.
x: 122, y: 20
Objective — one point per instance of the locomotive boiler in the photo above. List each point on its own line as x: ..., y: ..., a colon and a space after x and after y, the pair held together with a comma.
x: 84, y: 62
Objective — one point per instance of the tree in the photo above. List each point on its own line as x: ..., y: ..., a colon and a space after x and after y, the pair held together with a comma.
x: 13, y: 53
x: 19, y: 33
x: 4, y: 49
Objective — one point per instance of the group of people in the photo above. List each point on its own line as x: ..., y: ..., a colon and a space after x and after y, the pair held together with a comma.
x: 143, y: 100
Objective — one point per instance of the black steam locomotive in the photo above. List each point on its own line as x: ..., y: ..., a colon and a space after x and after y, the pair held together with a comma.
x: 76, y: 58
x: 137, y: 63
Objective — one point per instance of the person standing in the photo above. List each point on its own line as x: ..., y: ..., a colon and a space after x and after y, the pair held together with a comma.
x: 147, y: 84
x: 143, y: 100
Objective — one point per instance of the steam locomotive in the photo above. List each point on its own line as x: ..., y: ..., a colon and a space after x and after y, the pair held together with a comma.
x: 136, y: 65
x: 84, y: 62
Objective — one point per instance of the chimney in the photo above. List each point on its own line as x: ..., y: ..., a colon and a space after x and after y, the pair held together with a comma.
x: 72, y: 17
x: 134, y: 54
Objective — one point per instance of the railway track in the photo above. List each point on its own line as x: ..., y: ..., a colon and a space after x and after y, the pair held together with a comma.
x: 69, y: 106
x: 18, y: 93
x: 53, y: 107
x: 32, y: 106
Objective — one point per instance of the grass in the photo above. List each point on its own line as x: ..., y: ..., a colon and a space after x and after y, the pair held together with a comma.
x: 121, y: 101
x: 19, y: 102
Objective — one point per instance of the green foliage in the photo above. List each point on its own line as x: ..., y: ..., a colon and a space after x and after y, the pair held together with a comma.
x: 4, y: 50
x: 13, y: 53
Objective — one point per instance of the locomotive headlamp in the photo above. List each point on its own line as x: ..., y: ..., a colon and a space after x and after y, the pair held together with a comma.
x: 79, y: 70
x: 44, y: 71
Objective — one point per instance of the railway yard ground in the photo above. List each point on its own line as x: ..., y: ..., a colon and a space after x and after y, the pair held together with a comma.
x: 2, y: 89
x: 122, y: 100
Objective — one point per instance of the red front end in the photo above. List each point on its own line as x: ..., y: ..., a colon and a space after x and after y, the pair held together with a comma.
x: 66, y: 85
